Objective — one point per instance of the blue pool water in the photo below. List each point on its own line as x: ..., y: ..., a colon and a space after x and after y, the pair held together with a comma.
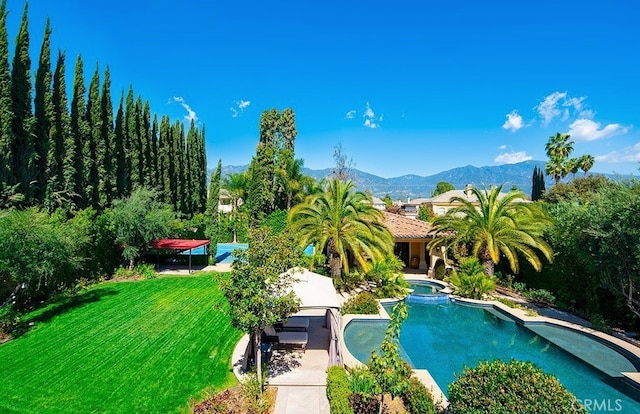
x: 444, y: 338
x: 223, y: 254
x: 424, y: 288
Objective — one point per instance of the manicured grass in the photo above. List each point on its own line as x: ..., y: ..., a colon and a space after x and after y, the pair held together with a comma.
x: 127, y: 347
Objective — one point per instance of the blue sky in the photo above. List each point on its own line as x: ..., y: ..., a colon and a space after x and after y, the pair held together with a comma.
x: 406, y: 87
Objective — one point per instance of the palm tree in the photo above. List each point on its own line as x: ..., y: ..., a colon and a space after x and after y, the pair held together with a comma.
x: 237, y: 185
x: 345, y: 222
x: 586, y: 162
x: 292, y: 182
x: 573, y: 165
x: 499, y: 227
x: 558, y: 150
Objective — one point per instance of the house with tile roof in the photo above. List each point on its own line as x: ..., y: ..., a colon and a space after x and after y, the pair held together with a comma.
x: 411, y: 237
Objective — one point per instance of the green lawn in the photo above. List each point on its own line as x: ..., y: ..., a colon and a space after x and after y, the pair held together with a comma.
x: 127, y: 347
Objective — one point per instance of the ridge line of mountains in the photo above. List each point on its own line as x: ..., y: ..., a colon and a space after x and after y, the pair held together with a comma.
x: 414, y: 186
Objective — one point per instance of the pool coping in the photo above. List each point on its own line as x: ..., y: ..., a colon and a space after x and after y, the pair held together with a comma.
x: 519, y: 316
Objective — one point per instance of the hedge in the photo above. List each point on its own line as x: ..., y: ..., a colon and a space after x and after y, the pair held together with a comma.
x: 338, y: 390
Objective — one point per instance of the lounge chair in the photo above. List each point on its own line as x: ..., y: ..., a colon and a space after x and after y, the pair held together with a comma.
x: 287, y: 338
x: 293, y: 324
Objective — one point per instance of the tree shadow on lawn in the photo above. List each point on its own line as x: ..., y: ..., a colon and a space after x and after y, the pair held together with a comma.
x: 60, y: 307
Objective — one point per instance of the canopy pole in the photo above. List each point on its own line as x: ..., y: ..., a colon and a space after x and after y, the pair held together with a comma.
x: 190, y: 261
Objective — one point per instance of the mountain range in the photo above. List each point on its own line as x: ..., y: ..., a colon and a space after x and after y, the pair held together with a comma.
x: 414, y: 186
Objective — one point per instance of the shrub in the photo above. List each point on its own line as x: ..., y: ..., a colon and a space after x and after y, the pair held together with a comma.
x: 519, y: 287
x: 470, y: 280
x: 254, y: 399
x: 364, y: 404
x: 338, y: 390
x: 418, y: 400
x: 363, y: 303
x: 141, y: 271
x: 509, y: 387
x: 540, y: 296
x: 386, y: 275
x: 363, y: 382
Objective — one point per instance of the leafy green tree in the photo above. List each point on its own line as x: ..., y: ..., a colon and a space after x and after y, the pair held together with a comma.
x: 80, y: 134
x: 106, y: 173
x: 391, y: 372
x: 43, y: 107
x: 442, y: 187
x: 345, y: 222
x: 388, y: 201
x: 470, y: 280
x: 138, y: 220
x: 501, y: 226
x: 38, y: 252
x: 259, y: 293
x: 580, y: 190
x: 558, y: 148
x: 425, y: 213
x: 7, y: 178
x: 22, y: 124
x: 60, y: 168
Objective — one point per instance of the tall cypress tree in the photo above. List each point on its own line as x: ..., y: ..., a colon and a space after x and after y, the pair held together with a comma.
x: 43, y: 116
x: 60, y: 166
x: 167, y: 161
x: 107, y: 144
x: 537, y: 185
x: 211, y: 213
x: 138, y: 141
x: 93, y: 149
x: 179, y: 154
x: 191, y: 167
x: 7, y: 178
x: 146, y: 145
x: 154, y: 154
x: 123, y: 187
x: 130, y: 137
x: 80, y: 133
x: 22, y: 125
x: 202, y: 172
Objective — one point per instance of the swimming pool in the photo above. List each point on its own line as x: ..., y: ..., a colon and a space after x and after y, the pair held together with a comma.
x: 223, y: 254
x: 444, y: 338
x: 424, y: 288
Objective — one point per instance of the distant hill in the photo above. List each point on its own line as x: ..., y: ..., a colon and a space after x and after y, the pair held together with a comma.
x: 415, y: 186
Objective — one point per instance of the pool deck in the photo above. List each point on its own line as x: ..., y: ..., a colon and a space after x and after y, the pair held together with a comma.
x: 545, y: 316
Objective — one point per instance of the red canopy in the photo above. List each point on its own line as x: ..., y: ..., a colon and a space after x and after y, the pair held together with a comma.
x: 178, y: 244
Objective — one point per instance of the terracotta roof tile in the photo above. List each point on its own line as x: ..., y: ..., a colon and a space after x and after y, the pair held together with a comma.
x: 405, y: 228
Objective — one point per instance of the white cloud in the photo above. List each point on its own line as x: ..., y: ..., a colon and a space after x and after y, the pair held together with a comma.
x: 370, y: 120
x: 350, y: 114
x: 560, y: 104
x: 587, y: 130
x: 513, y: 122
x: 502, y: 147
x: 191, y: 114
x: 237, y: 110
x: 512, y: 157
x: 629, y: 154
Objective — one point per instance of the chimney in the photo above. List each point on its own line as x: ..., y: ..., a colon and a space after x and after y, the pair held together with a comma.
x: 467, y: 190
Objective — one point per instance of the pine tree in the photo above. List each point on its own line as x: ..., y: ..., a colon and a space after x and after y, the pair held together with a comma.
x: 22, y: 124
x: 80, y: 133
x: 123, y: 186
x: 7, y: 178
x: 60, y: 169
x: 93, y: 149
x: 43, y: 116
x: 107, y: 144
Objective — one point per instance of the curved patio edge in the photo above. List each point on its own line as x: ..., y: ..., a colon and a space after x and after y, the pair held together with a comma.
x: 237, y: 357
